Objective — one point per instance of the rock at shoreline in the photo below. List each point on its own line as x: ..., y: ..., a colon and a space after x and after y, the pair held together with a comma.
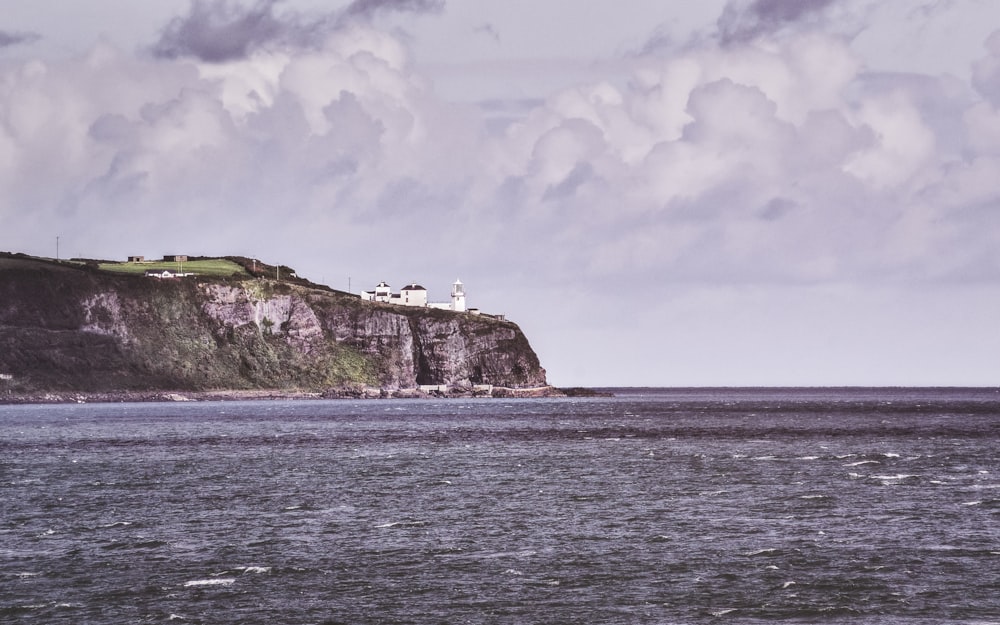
x: 275, y: 394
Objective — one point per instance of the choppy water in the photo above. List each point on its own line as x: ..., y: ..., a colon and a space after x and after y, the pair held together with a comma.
x: 666, y: 507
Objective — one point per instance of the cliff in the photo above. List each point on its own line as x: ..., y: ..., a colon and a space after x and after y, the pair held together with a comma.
x: 69, y: 327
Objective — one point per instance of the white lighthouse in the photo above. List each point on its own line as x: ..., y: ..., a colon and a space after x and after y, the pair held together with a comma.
x: 458, y: 296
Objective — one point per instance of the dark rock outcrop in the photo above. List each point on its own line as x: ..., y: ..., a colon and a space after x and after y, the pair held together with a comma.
x: 67, y: 327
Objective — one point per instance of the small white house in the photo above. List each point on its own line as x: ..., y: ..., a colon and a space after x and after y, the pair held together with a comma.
x: 382, y: 293
x: 413, y: 295
x: 162, y: 274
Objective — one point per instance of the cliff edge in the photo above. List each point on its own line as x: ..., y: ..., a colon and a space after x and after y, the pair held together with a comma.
x: 68, y: 327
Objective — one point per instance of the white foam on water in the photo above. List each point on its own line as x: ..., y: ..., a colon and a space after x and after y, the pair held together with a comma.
x: 893, y: 478
x: 972, y: 503
x: 402, y: 524
x: 524, y: 553
x: 256, y: 569
x: 787, y: 584
x: 759, y: 552
x: 218, y: 581
x: 861, y: 462
x: 722, y: 612
x: 116, y: 524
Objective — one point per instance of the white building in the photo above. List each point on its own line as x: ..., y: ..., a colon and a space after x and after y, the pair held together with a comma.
x: 415, y: 295
x: 458, y: 296
x: 382, y: 293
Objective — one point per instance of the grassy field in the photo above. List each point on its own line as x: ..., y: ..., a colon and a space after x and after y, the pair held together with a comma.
x: 212, y: 267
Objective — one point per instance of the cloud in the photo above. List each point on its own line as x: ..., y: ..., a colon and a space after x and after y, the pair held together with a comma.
x: 368, y: 9
x: 13, y: 38
x: 219, y: 30
x: 745, y: 20
x: 489, y: 30
x: 986, y: 71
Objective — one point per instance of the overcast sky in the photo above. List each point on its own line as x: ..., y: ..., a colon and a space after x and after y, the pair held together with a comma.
x: 694, y: 192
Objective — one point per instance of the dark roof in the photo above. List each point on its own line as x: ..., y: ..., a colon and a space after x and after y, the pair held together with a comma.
x: 413, y: 287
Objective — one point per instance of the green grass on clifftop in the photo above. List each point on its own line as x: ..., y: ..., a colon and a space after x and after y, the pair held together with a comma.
x: 207, y: 267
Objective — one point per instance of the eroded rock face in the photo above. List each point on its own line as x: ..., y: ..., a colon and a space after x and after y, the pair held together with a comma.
x: 426, y: 347
x: 103, y: 315
x: 281, y: 315
x: 67, y: 329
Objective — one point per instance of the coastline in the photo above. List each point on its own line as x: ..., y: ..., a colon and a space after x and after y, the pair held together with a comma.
x: 151, y: 396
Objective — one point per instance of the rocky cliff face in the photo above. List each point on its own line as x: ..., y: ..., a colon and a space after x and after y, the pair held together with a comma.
x: 64, y: 327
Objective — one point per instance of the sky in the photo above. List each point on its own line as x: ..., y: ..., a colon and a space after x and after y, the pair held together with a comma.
x: 684, y: 193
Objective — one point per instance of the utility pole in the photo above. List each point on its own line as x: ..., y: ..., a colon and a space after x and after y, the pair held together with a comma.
x: 57, y: 247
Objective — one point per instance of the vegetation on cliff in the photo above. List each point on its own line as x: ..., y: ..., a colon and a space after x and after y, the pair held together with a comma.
x: 76, y: 326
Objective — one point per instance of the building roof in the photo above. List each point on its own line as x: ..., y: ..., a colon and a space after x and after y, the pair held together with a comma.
x: 413, y: 287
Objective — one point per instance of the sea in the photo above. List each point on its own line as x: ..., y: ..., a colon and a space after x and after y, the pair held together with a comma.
x: 654, y: 506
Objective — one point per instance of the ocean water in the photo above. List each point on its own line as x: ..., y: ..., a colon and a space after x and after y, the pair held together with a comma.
x: 654, y: 506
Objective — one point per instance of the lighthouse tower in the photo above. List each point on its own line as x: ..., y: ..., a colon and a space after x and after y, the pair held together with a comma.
x: 458, y: 296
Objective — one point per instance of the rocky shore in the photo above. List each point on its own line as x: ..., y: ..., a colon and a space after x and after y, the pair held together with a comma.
x: 359, y: 392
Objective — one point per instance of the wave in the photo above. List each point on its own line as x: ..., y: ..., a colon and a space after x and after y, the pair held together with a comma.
x: 759, y: 552
x: 402, y: 524
x: 894, y: 478
x: 218, y: 581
